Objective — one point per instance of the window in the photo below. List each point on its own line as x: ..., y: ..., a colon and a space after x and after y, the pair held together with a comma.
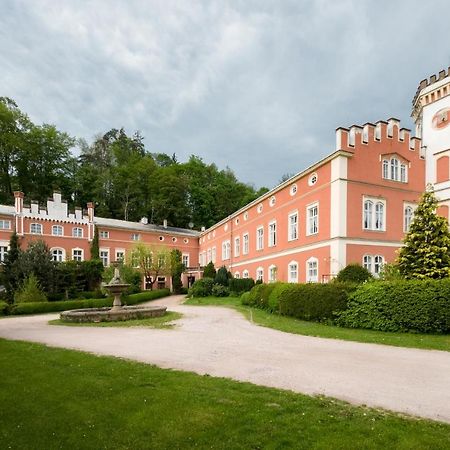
x: 226, y: 250
x: 260, y: 238
x: 293, y: 190
x: 245, y: 274
x: 104, y: 234
x: 245, y: 244
x: 373, y: 264
x: 312, y: 270
x: 312, y: 180
x: 237, y: 246
x: 272, y: 274
x: 135, y: 237
x: 209, y: 255
x: 272, y: 201
x: 313, y: 219
x: 58, y: 254
x: 408, y: 214
x: 104, y: 257
x: 293, y: 226
x: 120, y: 255
x: 293, y: 272
x: 200, y: 260
x: 5, y: 224
x: 272, y: 234
x: 77, y: 254
x: 185, y: 260
x: 77, y: 232
x: 35, y: 228
x: 395, y: 170
x: 213, y: 254
x: 57, y: 230
x: 374, y: 215
x: 260, y: 273
x: 237, y: 275
x: 259, y: 208
x: 3, y: 252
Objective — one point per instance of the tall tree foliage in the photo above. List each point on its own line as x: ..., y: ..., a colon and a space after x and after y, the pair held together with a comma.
x: 10, y: 270
x: 426, y: 250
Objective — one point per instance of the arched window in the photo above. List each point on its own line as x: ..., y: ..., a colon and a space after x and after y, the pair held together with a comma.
x: 379, y: 216
x: 260, y: 273
x: 58, y: 254
x: 407, y: 218
x: 394, y: 169
x: 272, y: 274
x: 367, y: 262
x: 385, y: 169
x: 378, y: 262
x: 245, y: 274
x: 293, y: 272
x: 368, y: 212
x: 312, y: 270
x: 237, y: 275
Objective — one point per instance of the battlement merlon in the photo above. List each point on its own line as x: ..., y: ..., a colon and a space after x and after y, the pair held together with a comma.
x: 348, y: 138
x: 429, y: 84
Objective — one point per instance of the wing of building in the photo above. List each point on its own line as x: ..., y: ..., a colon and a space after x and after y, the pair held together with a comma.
x: 354, y: 206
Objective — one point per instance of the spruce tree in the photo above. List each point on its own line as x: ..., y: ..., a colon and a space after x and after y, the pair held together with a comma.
x: 10, y: 274
x: 426, y: 251
x: 209, y: 271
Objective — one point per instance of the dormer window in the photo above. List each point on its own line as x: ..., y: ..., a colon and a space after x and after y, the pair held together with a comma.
x: 395, y: 170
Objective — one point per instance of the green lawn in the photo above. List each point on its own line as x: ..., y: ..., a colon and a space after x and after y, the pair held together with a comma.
x: 291, y: 325
x: 53, y: 398
x: 153, y: 322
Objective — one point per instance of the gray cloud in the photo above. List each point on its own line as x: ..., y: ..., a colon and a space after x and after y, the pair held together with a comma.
x: 253, y: 85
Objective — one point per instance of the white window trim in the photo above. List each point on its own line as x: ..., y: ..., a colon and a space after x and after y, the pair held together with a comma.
x: 80, y: 250
x: 106, y: 234
x: 258, y: 241
x: 138, y: 237
x: 400, y: 163
x: 237, y: 246
x: 108, y: 259
x: 413, y: 206
x: 120, y: 250
x: 76, y: 236
x: 237, y: 275
x: 226, y: 250
x: 245, y: 247
x: 290, y: 279
x: 308, y: 208
x: 292, y: 214
x: 6, y: 222
x: 308, y: 278
x: 371, y: 269
x: 3, y: 245
x: 39, y: 225
x: 374, y: 201
x: 183, y: 257
x: 63, y: 254
x: 269, y: 234
x: 55, y: 227
x: 245, y: 274
x: 269, y: 271
x: 260, y: 270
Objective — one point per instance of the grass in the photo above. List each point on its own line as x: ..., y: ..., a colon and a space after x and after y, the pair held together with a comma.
x: 152, y: 322
x: 53, y: 398
x: 292, y: 325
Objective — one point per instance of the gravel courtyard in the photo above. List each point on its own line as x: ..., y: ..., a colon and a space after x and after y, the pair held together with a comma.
x: 220, y: 342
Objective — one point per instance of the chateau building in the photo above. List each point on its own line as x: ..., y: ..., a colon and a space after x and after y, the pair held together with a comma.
x: 353, y: 206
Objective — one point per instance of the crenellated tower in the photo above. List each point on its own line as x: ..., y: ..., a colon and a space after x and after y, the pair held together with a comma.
x: 431, y: 114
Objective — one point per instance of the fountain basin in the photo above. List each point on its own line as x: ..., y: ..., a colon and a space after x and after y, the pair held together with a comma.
x: 112, y: 314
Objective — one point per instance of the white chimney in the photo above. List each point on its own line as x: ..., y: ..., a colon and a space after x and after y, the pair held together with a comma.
x: 165, y: 223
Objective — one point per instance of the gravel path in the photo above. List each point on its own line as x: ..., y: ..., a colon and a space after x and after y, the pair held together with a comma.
x: 220, y: 342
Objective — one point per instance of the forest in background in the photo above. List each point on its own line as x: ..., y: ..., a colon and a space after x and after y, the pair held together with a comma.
x: 116, y: 172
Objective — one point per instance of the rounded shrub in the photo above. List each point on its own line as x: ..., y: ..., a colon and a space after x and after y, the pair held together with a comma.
x: 202, y: 288
x: 220, y: 291
x: 354, y: 273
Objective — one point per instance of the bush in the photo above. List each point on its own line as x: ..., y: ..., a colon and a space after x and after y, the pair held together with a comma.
x: 244, y: 298
x: 416, y: 306
x: 46, y: 307
x: 259, y: 295
x: 220, y: 291
x: 240, y: 285
x: 3, y: 307
x: 273, y: 304
x: 202, y: 288
x: 354, y: 273
x: 316, y: 302
x: 30, y: 291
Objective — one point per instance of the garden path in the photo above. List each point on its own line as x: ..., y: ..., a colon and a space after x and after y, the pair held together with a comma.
x: 221, y: 342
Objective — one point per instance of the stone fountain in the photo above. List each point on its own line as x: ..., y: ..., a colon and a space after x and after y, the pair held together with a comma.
x: 118, y: 312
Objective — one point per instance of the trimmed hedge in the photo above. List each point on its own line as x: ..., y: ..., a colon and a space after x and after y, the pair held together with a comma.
x: 46, y: 307
x: 415, y: 306
x: 259, y: 295
x: 240, y: 285
x: 315, y: 302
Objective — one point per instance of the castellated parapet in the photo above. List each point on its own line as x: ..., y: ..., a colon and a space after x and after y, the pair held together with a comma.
x: 381, y: 131
x: 429, y: 81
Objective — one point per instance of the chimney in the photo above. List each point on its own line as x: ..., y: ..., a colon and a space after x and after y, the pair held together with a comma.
x: 165, y: 223
x: 78, y: 213
x: 203, y: 228
x: 90, y: 208
x: 18, y: 202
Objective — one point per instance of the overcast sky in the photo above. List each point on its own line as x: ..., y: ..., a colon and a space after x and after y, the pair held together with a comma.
x: 259, y: 86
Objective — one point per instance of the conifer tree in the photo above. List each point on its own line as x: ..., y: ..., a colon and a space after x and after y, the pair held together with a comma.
x: 95, y: 250
x: 9, y: 269
x: 426, y: 250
